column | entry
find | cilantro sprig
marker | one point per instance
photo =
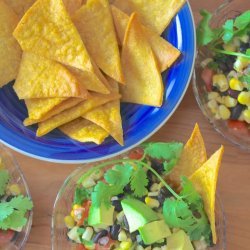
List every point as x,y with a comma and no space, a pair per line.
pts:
178,211
12,213
214,37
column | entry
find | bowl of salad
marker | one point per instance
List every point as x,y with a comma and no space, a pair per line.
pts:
145,199
222,76
15,203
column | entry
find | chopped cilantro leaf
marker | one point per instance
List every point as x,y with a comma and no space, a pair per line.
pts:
21,203
228,28
119,175
5,210
81,195
139,182
164,151
242,21
14,220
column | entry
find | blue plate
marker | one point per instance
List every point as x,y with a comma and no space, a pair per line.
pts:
139,122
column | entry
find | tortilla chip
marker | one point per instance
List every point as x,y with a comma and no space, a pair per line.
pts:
165,53
72,5
92,81
42,109
74,112
95,24
10,51
20,6
84,131
47,30
142,76
108,116
193,156
39,77
155,14
205,181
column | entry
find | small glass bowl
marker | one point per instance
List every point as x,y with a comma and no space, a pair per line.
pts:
16,177
229,10
63,206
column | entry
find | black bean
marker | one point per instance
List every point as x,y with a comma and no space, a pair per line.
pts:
215,89
233,93
127,189
236,111
125,222
133,236
99,235
9,198
163,194
244,47
157,165
114,232
117,205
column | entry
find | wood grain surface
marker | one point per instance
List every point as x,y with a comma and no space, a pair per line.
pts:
45,179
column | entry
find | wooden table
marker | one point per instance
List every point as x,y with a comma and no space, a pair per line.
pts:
45,179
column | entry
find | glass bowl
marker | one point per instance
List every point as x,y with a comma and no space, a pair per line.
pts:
63,205
229,10
17,177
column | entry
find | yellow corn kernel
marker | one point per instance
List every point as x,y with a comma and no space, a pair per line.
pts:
153,203
229,101
224,112
72,214
76,206
14,189
212,95
213,106
236,84
69,221
220,81
122,236
229,47
244,98
126,245
246,115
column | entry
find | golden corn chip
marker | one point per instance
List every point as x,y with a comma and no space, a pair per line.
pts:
20,6
193,156
92,81
143,81
205,181
72,5
42,109
155,14
39,77
10,51
75,112
47,30
108,116
95,24
84,131
165,53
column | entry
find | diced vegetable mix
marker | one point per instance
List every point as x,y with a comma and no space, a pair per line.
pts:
13,207
227,73
101,212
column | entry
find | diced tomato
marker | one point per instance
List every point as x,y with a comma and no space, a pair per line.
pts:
6,236
81,247
136,154
85,213
238,126
207,77
107,247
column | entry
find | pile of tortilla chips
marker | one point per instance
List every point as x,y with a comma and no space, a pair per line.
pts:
74,61
201,171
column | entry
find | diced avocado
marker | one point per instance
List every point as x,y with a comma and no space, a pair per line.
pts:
137,213
154,231
101,217
179,241
74,235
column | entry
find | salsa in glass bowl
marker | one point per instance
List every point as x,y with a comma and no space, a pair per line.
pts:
221,81
134,202
15,203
